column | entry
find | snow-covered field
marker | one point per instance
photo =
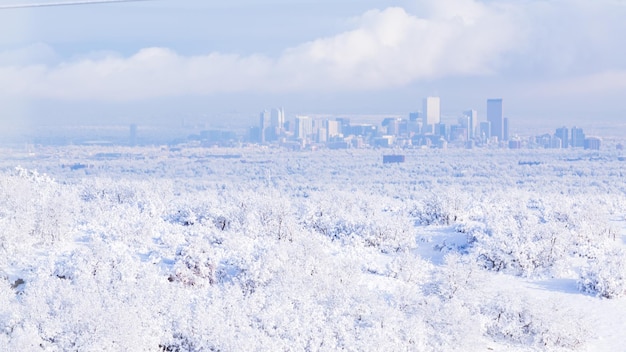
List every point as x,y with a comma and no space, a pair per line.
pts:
133,249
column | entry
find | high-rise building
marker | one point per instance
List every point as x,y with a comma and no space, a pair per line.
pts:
432,111
472,115
304,127
278,118
563,134
495,117
578,137
264,124
333,128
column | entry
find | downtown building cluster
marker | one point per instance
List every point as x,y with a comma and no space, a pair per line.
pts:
421,129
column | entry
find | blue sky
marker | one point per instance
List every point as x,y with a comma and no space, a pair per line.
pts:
548,59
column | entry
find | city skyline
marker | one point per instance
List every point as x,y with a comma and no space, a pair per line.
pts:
67,64
420,129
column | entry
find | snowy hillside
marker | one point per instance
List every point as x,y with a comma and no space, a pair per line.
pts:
265,250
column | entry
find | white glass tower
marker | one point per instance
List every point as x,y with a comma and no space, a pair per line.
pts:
432,111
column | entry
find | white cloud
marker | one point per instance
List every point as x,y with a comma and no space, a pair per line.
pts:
387,48
392,47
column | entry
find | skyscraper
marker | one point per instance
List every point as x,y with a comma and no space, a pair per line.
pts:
432,111
264,124
278,118
563,134
578,137
333,128
473,122
304,127
495,117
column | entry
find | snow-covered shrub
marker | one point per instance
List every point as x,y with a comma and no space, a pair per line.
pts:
524,241
458,275
93,298
451,325
436,209
533,324
346,217
605,275
34,209
409,267
271,215
184,217
194,265
181,343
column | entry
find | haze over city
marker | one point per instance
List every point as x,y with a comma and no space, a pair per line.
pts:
558,62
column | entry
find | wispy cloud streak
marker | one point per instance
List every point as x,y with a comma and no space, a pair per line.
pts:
64,3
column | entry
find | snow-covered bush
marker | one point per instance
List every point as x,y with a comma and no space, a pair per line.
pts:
346,217
544,325
537,239
605,275
443,208
458,275
193,266
34,209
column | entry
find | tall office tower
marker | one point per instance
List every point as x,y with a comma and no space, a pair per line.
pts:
264,124
413,116
494,116
304,127
473,122
333,128
278,118
563,134
432,111
505,129
316,124
578,137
